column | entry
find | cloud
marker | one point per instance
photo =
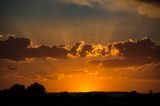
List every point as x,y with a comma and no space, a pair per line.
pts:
14,48
85,50
147,72
113,63
95,62
81,49
19,49
76,48
127,53
150,8
143,48
113,5
79,2
156,2
12,67
7,66
1,36
132,53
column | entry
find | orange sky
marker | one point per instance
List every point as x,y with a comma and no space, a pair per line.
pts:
81,45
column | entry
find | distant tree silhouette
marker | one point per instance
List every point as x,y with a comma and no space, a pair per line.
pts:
150,92
35,95
17,90
65,95
36,89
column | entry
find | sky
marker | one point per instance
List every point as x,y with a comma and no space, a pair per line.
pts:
81,45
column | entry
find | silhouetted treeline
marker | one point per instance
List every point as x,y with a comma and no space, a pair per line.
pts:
18,90
35,94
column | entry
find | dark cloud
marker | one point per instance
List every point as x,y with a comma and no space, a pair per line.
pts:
74,49
12,67
125,62
45,51
81,49
85,50
14,48
19,49
133,53
143,48
95,62
130,53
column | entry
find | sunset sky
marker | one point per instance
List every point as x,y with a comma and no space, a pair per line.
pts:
81,45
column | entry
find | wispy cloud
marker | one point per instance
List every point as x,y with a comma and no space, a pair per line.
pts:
149,8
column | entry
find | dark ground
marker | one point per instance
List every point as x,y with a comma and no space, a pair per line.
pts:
92,98
35,95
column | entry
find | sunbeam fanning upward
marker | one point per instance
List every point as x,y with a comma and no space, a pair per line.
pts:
80,45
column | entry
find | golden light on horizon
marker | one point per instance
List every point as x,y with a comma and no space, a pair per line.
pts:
76,83
80,45
84,83
85,86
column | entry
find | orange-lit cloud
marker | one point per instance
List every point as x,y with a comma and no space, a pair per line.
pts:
22,49
133,53
84,50
143,50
